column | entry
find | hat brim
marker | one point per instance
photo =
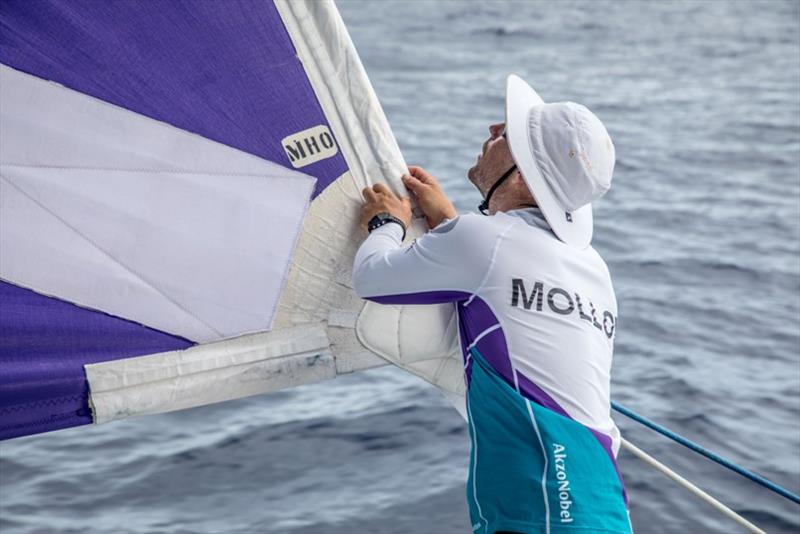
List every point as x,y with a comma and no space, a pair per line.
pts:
574,228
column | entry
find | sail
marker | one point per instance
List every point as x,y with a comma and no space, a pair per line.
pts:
179,193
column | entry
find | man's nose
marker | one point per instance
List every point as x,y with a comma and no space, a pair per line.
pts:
496,130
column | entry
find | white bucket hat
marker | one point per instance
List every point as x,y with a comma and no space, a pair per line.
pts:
565,156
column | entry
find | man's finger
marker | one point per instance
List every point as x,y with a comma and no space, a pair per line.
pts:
369,195
421,174
412,183
383,189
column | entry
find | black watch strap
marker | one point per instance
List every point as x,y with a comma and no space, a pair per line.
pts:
385,218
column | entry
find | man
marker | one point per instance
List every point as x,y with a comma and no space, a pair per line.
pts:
537,314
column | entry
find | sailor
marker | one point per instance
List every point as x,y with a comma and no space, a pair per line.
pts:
536,309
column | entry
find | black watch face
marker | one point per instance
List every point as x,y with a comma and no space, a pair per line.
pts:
382,218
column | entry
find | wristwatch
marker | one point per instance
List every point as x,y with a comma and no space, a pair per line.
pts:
385,217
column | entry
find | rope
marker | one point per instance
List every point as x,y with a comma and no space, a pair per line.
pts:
758,479
652,462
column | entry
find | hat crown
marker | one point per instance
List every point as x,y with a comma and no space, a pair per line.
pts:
573,150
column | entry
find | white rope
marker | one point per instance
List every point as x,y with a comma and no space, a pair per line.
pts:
639,453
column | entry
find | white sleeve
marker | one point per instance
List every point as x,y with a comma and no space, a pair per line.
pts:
446,264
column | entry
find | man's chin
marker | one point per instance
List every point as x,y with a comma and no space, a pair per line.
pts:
471,174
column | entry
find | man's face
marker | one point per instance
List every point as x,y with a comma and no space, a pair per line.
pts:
494,159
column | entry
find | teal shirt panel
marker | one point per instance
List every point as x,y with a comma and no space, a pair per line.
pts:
533,470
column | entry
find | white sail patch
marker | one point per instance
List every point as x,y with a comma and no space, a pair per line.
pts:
209,373
309,146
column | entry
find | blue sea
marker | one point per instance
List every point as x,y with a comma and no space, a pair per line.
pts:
701,230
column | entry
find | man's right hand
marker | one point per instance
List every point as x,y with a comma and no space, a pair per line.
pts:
430,196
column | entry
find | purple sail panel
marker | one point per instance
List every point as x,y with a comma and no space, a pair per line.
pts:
225,70
44,344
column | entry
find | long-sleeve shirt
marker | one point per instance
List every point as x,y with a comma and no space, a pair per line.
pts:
536,312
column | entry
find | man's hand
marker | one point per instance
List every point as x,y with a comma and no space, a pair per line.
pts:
430,196
378,199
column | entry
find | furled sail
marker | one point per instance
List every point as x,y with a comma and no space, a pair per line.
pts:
179,193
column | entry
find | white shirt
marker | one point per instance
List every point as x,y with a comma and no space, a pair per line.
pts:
542,313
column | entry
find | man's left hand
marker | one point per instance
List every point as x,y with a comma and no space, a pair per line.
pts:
379,199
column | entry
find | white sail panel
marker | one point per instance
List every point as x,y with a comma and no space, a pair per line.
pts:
200,233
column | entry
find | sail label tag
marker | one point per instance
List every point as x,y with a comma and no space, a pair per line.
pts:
309,146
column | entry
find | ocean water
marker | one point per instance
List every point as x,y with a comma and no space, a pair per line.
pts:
701,231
